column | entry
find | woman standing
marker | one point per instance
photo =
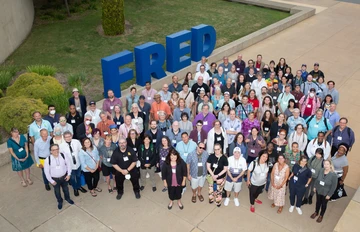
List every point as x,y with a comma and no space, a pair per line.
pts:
239,141
198,134
215,99
185,125
117,118
216,135
217,165
173,102
266,121
106,152
58,138
215,86
249,123
148,158
298,136
254,143
96,138
133,141
267,105
277,126
298,182
325,186
174,174
224,113
189,79
245,90
180,110
280,142
258,170
20,156
341,168
325,104
279,175
114,134
315,164
163,153
90,160
254,101
290,109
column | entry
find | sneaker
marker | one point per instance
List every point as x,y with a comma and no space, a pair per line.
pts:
137,195
47,187
331,200
142,188
164,189
71,202
118,197
291,209
154,189
299,210
60,205
258,201
236,201
226,202
252,209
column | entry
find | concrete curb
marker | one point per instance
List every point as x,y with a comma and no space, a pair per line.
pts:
298,14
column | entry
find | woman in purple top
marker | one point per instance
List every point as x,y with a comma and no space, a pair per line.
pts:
249,123
174,174
255,143
207,118
198,134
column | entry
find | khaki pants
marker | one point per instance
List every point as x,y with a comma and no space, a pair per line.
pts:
143,173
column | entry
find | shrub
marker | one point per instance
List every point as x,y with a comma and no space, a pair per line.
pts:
61,102
5,78
1,93
113,19
32,85
77,79
17,112
44,70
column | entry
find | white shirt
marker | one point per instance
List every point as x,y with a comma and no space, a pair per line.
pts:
95,116
259,175
76,147
239,164
313,145
257,85
205,76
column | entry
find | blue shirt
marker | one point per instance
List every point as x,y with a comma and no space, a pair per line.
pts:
316,126
192,160
333,117
89,159
173,89
174,138
130,101
186,149
178,112
34,129
52,120
292,122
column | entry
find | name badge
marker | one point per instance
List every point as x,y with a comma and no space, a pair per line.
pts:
258,69
163,158
147,158
313,170
285,102
339,138
262,174
205,123
154,140
266,129
296,178
296,101
249,131
126,158
164,132
106,133
173,170
149,98
215,165
218,138
237,69
233,81
322,183
200,165
316,125
55,123
135,149
72,121
118,123
278,149
308,106
144,113
108,160
136,121
111,107
232,129
274,97
21,149
226,69
77,108
186,154
277,177
292,162
236,170
165,101
57,167
252,151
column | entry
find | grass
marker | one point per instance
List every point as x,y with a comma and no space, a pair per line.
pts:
74,44
44,70
7,72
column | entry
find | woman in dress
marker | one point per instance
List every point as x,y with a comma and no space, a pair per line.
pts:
96,138
299,180
117,118
257,175
20,156
279,175
174,173
217,165
163,153
266,121
90,161
185,125
298,136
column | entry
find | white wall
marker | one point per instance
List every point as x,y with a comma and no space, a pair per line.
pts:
16,20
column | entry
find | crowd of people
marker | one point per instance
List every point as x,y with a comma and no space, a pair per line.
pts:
276,129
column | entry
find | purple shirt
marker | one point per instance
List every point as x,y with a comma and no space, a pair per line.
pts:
174,182
108,105
207,121
247,125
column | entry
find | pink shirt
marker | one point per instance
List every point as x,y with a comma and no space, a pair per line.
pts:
149,95
108,105
124,130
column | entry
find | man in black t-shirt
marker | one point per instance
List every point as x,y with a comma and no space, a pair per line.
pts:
124,161
196,88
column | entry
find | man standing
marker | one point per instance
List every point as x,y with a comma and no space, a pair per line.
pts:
332,115
207,118
175,86
283,100
126,127
149,93
196,167
158,106
202,63
110,102
226,65
104,124
57,170
188,96
317,123
79,101
342,134
228,100
297,80
145,108
244,108
295,120
165,94
37,125
124,161
332,91
155,134
196,88
259,64
239,64
41,152
84,129
52,117
316,73
297,95
94,113
73,118
258,84
309,84
202,73
232,126
230,88
174,133
71,149
186,146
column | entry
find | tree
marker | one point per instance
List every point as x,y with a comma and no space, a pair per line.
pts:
113,18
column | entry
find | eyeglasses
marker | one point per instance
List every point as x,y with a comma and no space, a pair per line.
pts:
198,125
217,149
54,149
62,120
88,120
201,147
282,134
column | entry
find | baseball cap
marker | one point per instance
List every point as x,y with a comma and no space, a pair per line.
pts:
75,90
237,149
226,93
303,65
92,103
113,126
275,81
316,64
142,97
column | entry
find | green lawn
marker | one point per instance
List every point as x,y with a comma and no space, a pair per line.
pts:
74,45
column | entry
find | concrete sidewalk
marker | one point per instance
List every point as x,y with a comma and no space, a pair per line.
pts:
331,38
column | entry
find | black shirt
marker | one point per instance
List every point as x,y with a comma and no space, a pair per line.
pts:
195,89
302,175
75,121
219,138
231,90
123,159
221,163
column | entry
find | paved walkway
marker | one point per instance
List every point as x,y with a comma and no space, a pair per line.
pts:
330,38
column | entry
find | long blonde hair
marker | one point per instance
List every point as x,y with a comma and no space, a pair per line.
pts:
332,169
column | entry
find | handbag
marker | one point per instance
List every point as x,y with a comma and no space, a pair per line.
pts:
339,192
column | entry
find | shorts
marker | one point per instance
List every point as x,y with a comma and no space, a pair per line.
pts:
107,170
197,182
230,185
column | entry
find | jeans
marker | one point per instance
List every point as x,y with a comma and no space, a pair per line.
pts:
46,182
61,182
75,178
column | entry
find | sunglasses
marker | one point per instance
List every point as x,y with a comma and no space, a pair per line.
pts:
202,148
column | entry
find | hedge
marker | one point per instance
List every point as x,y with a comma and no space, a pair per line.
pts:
113,19
17,112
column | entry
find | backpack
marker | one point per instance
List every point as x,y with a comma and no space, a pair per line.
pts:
62,155
311,117
347,129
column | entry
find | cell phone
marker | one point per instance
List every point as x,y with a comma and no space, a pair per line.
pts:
214,186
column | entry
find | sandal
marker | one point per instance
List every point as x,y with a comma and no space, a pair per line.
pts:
23,183
272,205
98,190
110,190
93,193
280,210
201,198
30,182
193,199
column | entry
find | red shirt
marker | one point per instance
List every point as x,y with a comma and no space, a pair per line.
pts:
254,102
308,107
257,65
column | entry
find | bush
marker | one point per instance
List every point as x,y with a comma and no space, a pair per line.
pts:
77,79
32,85
1,93
113,19
17,112
44,70
61,102
5,78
